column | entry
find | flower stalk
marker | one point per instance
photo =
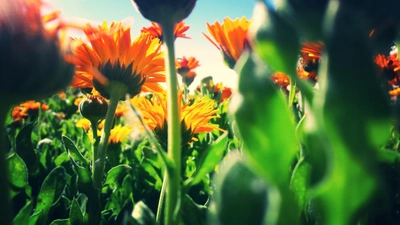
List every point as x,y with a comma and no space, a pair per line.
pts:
117,91
174,130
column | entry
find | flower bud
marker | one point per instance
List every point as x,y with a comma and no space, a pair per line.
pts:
93,108
32,64
161,10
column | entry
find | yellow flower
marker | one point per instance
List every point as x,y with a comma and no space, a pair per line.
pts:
119,133
112,58
83,123
230,38
195,116
33,64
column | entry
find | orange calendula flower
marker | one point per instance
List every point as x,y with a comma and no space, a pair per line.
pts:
309,62
26,109
186,69
32,54
195,116
281,79
230,38
121,110
112,60
155,30
390,67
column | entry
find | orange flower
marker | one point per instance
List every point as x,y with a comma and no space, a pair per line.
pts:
112,58
186,69
309,62
31,52
230,38
281,79
121,110
390,67
195,116
19,114
156,31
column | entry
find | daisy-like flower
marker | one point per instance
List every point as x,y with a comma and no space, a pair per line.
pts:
195,116
310,56
155,30
113,61
32,54
186,68
230,38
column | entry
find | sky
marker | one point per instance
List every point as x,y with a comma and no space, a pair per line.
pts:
205,11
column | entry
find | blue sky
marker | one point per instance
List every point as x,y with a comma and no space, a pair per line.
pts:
198,46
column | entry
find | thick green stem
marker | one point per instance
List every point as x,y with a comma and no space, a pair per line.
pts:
174,128
116,92
5,208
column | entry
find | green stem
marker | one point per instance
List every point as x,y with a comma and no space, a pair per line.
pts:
116,92
161,200
93,124
174,128
5,208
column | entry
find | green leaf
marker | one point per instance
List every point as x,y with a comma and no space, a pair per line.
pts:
116,173
299,182
24,146
23,215
264,121
61,222
143,215
74,152
192,213
210,159
84,180
51,191
75,214
61,159
276,40
241,196
18,173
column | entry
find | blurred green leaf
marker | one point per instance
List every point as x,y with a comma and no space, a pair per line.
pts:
241,196
24,147
299,182
143,215
116,173
61,222
264,121
74,152
23,215
275,39
50,193
18,173
192,213
75,214
209,159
